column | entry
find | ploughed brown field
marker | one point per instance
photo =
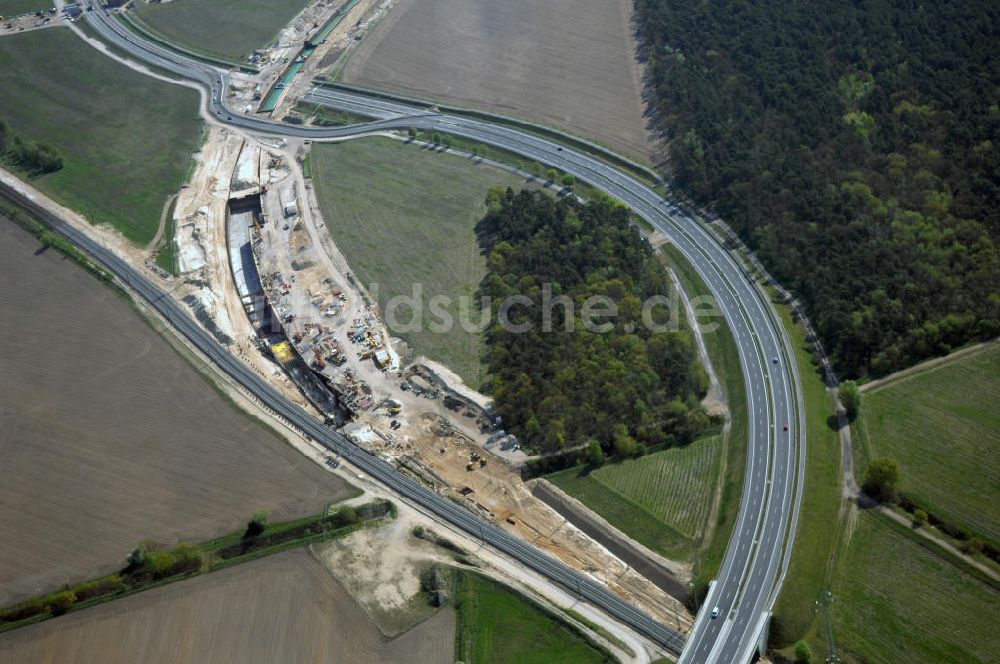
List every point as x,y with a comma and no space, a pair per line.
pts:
282,609
564,63
108,437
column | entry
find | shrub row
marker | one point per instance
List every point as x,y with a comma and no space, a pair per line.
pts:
970,542
146,566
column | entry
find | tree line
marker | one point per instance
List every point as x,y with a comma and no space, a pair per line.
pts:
610,392
855,147
28,157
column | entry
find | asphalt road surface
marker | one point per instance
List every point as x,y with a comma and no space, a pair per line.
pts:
757,556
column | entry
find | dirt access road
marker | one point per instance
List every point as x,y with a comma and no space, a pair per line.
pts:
570,64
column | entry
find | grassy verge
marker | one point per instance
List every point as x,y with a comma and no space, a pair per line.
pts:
898,601
126,139
725,359
942,426
597,629
443,142
496,624
148,568
227,29
324,116
541,174
816,539
405,217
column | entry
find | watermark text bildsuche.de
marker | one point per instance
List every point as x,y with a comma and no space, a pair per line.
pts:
518,314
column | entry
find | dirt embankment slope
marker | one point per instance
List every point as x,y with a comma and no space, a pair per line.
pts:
108,437
566,63
629,551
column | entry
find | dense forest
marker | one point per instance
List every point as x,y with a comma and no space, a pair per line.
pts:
855,146
613,391
28,157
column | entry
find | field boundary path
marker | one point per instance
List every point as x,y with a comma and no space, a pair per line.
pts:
155,242
928,365
946,547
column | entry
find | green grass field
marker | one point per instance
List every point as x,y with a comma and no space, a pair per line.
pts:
661,499
12,8
126,139
818,531
943,427
405,215
896,601
227,29
496,625
166,257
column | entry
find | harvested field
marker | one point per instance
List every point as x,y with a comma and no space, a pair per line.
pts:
569,64
285,608
404,216
661,500
943,427
127,140
228,29
897,601
108,437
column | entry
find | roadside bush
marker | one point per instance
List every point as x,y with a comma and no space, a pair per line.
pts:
699,590
880,479
919,518
159,563
435,582
32,607
850,398
803,653
109,585
59,603
973,545
188,556
345,516
256,525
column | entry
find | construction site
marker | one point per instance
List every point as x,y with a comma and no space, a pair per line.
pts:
281,290
261,271
315,41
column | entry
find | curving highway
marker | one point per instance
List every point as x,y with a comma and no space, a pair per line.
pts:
757,556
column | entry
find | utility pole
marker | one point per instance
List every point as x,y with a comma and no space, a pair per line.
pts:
831,646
